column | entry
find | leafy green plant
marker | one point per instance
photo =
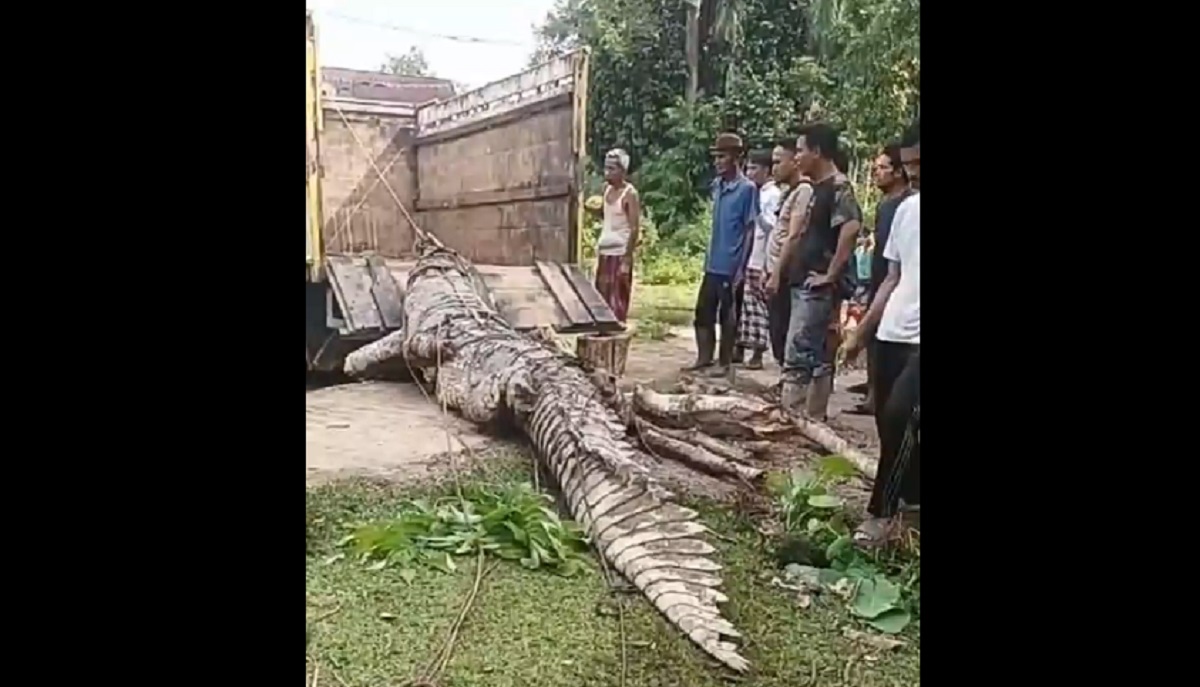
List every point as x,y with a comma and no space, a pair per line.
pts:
883,586
511,522
806,500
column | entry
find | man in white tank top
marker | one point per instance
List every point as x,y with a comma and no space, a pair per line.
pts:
619,236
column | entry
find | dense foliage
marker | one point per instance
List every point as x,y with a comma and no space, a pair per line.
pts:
763,67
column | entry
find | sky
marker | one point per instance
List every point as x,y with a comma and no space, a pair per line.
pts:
359,34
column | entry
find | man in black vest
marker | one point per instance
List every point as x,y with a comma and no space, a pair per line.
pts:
812,264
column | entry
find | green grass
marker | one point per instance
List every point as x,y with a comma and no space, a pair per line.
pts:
534,629
657,308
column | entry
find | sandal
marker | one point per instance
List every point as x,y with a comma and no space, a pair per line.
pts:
857,388
876,532
861,409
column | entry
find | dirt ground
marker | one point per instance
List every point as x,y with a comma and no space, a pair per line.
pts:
379,429
391,431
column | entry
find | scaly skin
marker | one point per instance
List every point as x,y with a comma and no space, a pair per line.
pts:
490,373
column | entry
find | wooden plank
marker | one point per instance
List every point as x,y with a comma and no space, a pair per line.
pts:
389,299
601,313
577,313
494,121
352,286
521,294
537,83
466,200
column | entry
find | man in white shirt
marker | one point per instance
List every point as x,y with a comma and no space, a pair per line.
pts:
896,311
754,321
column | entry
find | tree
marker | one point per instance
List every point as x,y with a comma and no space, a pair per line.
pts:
667,74
411,63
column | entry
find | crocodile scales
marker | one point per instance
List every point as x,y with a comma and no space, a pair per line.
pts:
492,374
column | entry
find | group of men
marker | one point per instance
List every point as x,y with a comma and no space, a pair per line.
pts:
779,265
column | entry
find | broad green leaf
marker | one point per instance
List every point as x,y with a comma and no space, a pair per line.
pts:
801,478
825,501
837,466
875,597
891,622
842,544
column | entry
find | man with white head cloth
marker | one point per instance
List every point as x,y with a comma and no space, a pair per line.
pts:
619,235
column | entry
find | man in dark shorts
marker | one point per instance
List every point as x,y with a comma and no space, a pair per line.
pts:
735,208
889,177
811,267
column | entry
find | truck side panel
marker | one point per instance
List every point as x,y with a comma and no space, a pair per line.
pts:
359,212
498,168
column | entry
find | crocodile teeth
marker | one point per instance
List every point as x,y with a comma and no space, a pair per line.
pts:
496,373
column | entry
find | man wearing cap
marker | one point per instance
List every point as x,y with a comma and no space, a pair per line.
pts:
619,235
735,208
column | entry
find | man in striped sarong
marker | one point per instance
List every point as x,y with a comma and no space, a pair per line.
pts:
619,235
754,326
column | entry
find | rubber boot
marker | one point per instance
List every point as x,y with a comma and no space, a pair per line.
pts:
724,366
706,343
817,405
792,396
739,355
756,361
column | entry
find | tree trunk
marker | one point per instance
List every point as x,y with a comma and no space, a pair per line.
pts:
743,417
715,446
694,455
718,416
692,47
604,351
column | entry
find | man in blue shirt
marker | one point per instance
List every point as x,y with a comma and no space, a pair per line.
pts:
735,209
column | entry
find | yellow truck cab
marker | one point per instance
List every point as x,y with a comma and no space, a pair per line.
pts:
494,173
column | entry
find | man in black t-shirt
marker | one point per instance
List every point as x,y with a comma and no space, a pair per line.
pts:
889,177
811,267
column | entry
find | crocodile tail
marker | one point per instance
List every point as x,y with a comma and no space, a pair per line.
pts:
489,371
654,543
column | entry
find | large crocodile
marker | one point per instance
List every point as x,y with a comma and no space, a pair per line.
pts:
492,374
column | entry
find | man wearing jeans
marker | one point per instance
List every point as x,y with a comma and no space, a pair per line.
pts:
811,266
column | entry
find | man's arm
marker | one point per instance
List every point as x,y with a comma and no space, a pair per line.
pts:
847,215
749,220
796,224
866,327
847,236
891,252
770,213
633,210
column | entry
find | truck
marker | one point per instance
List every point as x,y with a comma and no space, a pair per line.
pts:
494,173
